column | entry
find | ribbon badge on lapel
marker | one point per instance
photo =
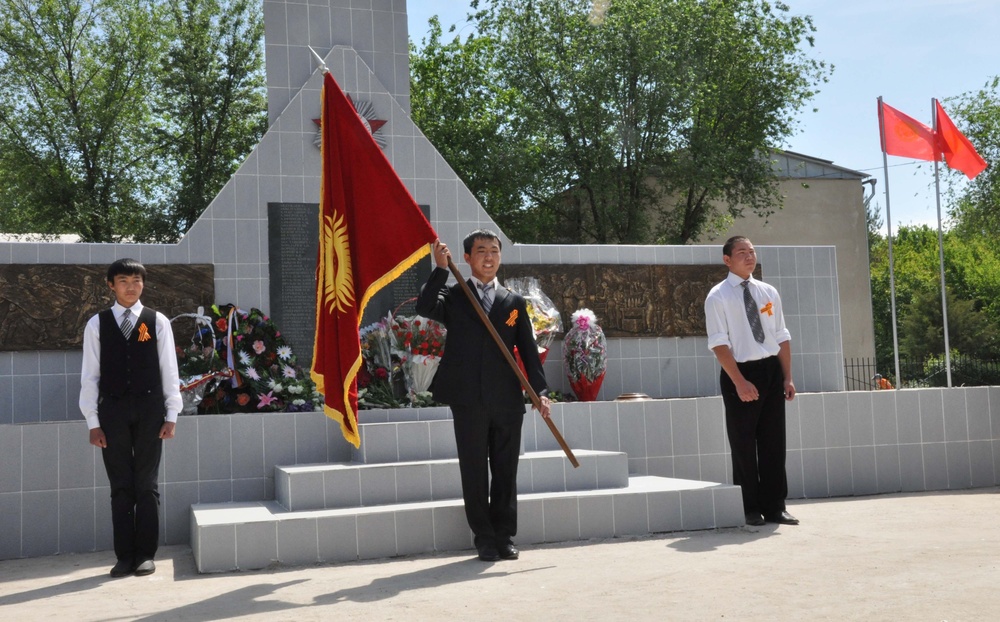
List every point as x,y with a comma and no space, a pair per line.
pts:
512,319
768,309
143,332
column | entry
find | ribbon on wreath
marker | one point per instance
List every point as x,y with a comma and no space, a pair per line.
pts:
233,326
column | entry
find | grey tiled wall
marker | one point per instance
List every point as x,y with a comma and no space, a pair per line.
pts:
54,493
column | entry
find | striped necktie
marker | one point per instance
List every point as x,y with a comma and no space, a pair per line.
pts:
486,296
126,324
753,316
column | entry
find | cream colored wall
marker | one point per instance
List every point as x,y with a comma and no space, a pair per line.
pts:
824,212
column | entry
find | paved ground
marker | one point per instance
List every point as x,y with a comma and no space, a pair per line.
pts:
933,556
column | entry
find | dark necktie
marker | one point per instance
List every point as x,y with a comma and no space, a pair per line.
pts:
126,324
485,297
752,314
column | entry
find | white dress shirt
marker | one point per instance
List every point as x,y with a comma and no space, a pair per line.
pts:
90,374
726,319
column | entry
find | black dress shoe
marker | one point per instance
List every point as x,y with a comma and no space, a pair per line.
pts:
123,568
782,518
488,553
145,568
754,519
509,551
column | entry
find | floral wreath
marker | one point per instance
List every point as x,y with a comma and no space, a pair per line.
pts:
267,375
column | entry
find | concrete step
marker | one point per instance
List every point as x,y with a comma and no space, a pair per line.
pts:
247,536
405,441
342,485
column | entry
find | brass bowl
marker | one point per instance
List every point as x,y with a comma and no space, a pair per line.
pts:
632,397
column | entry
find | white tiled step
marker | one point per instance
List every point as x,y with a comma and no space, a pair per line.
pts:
341,485
405,441
246,536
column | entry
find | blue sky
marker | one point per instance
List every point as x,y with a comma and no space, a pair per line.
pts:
907,51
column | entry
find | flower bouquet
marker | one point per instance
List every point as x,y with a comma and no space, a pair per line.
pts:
419,343
375,378
585,353
546,322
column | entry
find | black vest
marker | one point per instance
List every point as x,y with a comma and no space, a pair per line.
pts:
129,367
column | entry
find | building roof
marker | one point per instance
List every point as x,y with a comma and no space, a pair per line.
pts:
793,165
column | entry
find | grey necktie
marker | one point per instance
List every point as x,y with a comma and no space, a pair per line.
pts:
752,314
126,324
486,296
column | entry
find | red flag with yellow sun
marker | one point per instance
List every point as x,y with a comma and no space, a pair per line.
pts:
370,231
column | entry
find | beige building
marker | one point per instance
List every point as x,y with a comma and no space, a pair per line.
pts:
823,206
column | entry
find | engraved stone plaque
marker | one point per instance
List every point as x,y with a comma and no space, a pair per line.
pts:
630,300
45,306
293,243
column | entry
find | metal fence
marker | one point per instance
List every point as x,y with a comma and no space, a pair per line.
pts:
865,374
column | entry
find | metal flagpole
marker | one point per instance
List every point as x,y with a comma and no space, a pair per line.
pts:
944,297
888,222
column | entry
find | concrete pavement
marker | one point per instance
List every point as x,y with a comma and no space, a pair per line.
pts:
927,556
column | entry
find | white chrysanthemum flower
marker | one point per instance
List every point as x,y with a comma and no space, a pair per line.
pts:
298,402
251,373
284,353
244,359
295,389
278,388
288,371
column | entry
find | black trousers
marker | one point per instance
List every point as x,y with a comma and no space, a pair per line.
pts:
756,433
489,445
132,425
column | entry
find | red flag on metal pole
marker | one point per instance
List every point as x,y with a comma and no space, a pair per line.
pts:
370,231
958,150
905,136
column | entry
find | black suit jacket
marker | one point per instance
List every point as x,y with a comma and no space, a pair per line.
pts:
473,370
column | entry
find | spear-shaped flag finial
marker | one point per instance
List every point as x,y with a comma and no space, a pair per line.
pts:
319,60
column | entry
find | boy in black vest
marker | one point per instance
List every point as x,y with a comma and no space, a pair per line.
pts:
130,396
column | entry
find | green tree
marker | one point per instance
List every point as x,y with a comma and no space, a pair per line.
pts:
648,121
976,208
212,102
972,275
75,152
457,101
878,256
969,332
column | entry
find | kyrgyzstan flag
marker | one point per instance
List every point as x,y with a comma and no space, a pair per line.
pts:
905,136
958,150
370,231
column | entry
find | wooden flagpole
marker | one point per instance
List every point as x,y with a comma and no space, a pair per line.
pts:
535,400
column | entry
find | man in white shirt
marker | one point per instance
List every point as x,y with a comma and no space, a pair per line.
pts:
746,331
130,397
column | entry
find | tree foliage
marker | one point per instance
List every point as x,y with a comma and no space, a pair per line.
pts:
121,119
972,278
74,113
641,121
212,101
457,100
976,209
